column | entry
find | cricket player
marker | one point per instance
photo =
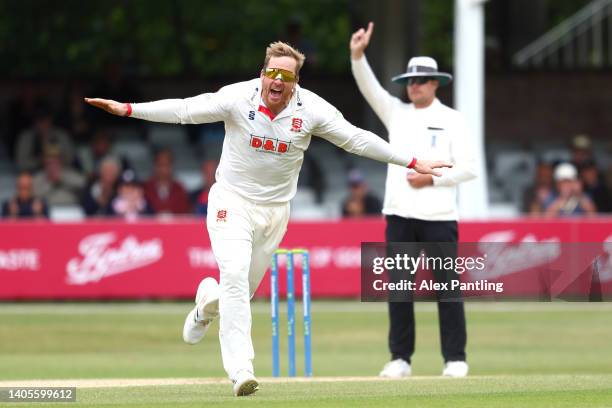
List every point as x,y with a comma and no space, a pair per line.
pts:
269,122
419,207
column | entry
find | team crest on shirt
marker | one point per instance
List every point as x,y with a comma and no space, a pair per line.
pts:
269,144
222,216
296,124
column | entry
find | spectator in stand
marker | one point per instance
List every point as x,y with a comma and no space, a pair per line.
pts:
165,194
56,183
25,204
32,143
360,201
538,195
130,202
100,148
582,150
199,198
570,199
594,182
595,186
99,194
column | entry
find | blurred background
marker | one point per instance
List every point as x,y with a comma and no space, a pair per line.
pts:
547,97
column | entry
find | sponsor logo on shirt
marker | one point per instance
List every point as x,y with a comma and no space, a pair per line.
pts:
269,145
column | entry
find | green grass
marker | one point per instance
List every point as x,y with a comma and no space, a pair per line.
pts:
513,391
547,354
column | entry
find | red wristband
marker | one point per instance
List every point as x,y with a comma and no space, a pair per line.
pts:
412,163
129,109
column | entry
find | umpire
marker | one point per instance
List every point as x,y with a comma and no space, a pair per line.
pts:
420,208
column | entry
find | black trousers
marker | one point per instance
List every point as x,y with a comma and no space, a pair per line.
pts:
453,336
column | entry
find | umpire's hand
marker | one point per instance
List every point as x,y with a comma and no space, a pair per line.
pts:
360,40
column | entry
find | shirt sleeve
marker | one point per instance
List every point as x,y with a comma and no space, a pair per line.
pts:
334,128
462,157
378,98
204,108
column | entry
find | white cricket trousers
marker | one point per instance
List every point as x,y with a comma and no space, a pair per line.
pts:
244,236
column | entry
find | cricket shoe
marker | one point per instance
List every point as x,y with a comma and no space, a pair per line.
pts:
206,309
456,369
245,384
396,369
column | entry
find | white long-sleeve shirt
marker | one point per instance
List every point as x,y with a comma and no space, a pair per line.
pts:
261,158
433,133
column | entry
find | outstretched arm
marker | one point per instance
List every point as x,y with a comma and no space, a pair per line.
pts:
340,132
205,108
378,98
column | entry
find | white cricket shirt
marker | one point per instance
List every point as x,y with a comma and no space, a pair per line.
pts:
433,133
261,158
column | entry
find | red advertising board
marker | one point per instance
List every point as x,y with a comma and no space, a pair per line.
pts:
167,259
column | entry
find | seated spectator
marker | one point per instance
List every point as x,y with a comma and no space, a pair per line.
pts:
541,192
130,202
25,204
199,198
569,200
100,192
582,150
100,147
56,183
32,143
166,195
595,186
360,201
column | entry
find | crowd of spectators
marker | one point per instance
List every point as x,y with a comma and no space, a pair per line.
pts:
572,188
64,157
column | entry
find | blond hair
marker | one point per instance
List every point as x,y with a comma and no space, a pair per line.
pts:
281,49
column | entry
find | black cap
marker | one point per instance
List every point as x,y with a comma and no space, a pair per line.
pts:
129,177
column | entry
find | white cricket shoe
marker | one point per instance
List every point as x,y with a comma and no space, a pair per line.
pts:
455,369
245,383
206,309
396,369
